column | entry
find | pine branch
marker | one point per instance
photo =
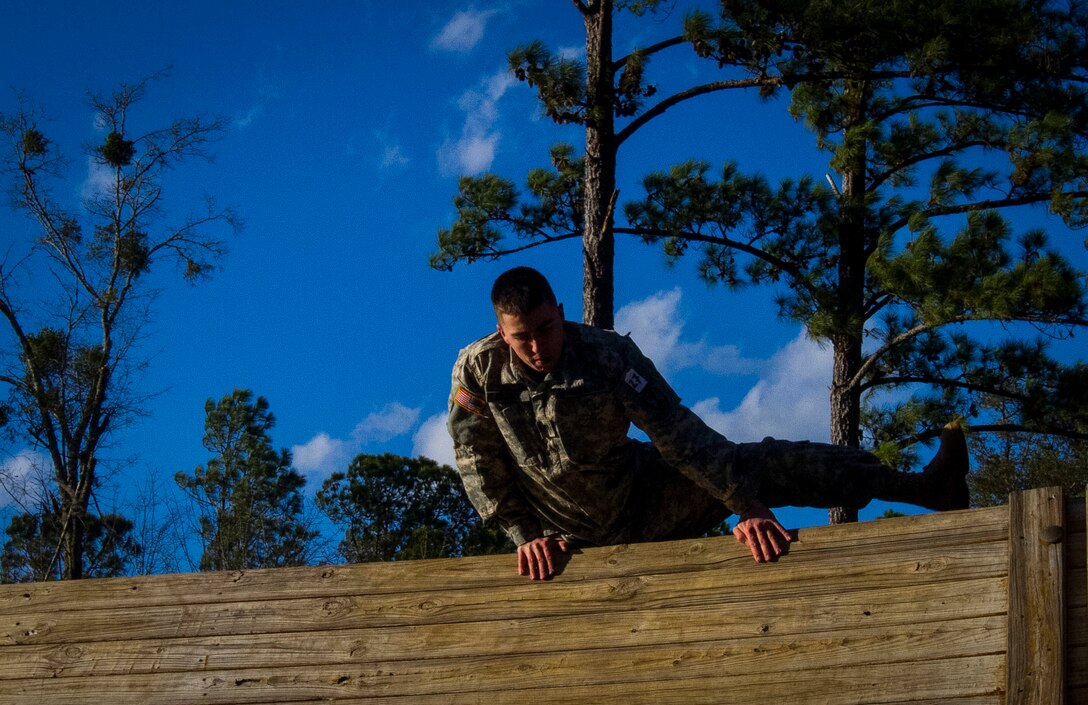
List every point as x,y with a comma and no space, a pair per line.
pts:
694,92
618,64
994,204
791,270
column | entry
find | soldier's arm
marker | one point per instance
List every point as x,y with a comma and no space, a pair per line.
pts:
484,462
683,439
704,455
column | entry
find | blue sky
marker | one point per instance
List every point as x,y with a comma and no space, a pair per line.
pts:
349,124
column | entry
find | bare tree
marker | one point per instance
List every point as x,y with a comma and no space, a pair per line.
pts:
71,362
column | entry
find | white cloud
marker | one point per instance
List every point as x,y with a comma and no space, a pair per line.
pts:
469,155
474,151
393,156
576,52
463,32
99,181
22,476
789,402
790,399
323,454
655,324
393,420
246,119
433,441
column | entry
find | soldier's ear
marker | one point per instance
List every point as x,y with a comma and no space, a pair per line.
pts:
561,316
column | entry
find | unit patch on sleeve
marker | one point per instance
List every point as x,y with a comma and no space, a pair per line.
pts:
635,381
470,402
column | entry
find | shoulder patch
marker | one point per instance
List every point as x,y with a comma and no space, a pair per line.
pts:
634,380
470,402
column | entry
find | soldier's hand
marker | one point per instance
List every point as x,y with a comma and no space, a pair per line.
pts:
539,558
760,531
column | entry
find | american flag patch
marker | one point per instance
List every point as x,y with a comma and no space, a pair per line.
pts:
470,402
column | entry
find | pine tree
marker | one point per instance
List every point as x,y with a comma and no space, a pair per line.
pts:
396,508
575,198
934,134
248,497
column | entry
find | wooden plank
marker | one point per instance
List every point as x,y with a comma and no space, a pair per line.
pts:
889,609
1076,626
1036,653
934,679
1076,659
773,658
904,610
992,699
820,572
975,526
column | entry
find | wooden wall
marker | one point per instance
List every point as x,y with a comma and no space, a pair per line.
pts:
921,610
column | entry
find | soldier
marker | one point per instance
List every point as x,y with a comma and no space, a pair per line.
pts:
540,412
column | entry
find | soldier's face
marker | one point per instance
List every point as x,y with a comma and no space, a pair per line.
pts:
536,337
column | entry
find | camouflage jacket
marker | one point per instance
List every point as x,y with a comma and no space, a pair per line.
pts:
554,456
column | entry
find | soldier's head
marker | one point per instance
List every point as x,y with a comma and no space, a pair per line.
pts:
529,319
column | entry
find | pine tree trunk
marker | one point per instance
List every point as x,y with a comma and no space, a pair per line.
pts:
845,409
850,302
598,244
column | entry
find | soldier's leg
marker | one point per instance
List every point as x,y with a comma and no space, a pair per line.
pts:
806,474
669,506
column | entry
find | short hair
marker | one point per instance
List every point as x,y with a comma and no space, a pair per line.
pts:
520,290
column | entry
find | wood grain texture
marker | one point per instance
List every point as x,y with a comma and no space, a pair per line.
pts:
908,610
1036,653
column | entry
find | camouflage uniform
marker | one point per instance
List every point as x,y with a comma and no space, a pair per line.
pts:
552,456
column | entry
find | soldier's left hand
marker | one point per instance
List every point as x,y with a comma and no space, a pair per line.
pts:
760,531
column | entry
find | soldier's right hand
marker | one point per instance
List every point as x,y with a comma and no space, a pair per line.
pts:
539,558
759,530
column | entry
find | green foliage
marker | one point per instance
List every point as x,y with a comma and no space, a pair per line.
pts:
248,497
938,119
685,209
482,202
553,206
1008,464
58,376
488,204
560,82
116,151
30,551
397,508
933,132
34,143
980,274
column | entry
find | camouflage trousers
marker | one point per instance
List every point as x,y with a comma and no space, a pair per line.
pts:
668,505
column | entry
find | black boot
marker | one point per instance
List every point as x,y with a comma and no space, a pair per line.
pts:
942,485
944,480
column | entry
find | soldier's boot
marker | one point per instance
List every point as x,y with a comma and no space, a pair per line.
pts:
942,485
